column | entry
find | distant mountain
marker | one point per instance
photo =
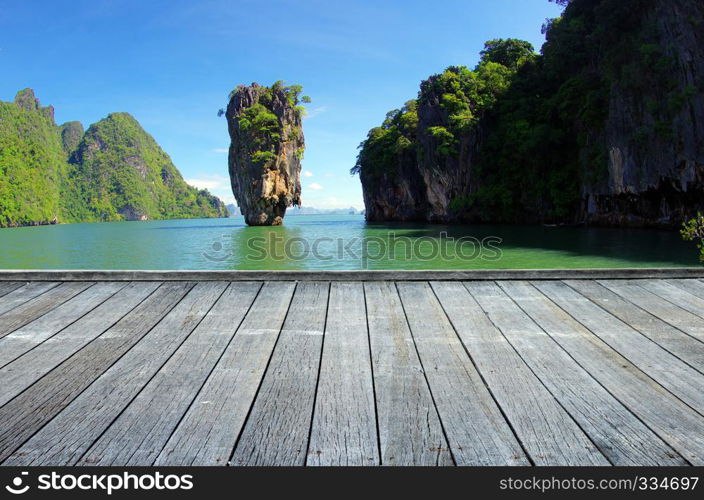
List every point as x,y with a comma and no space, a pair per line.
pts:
114,171
293,211
234,210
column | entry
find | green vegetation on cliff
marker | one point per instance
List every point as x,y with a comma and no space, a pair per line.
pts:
461,97
693,230
546,137
604,125
32,162
119,172
260,124
267,145
115,171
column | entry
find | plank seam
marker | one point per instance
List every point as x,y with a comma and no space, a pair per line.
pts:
678,283
371,364
652,314
593,377
68,325
317,379
633,327
557,400
124,408
481,376
55,306
261,380
616,350
11,289
425,377
673,303
79,350
210,372
89,385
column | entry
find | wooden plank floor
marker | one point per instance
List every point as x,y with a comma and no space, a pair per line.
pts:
508,372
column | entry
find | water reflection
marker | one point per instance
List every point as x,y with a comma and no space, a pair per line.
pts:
334,242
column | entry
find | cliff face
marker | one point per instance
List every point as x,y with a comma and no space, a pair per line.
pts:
398,196
121,173
606,126
445,161
266,149
654,132
32,163
393,187
114,171
71,134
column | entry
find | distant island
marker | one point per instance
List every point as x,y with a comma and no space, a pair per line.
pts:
234,211
114,171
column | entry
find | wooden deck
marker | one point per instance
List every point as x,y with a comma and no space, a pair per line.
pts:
334,372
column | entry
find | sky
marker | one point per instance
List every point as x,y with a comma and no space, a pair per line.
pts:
172,64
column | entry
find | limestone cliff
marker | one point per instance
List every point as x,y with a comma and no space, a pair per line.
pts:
121,173
114,171
71,134
605,126
267,144
654,130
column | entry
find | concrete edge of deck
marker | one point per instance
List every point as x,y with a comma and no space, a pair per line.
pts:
377,275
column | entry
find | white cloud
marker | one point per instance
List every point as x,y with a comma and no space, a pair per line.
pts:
311,113
330,202
315,186
219,150
307,173
203,183
218,185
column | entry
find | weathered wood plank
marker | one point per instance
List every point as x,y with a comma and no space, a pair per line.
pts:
71,436
40,305
614,431
674,340
695,287
657,306
278,427
669,371
142,373
8,286
410,432
546,430
344,420
32,334
666,415
477,432
209,430
675,295
24,415
142,430
373,275
34,364
24,294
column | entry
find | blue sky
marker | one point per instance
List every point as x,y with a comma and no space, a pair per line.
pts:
172,64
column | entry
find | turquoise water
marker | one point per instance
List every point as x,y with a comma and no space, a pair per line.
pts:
334,242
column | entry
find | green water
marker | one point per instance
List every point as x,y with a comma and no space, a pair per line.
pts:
334,242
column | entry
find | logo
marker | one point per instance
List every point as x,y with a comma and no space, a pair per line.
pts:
16,488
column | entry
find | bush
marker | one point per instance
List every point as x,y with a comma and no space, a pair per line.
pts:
694,231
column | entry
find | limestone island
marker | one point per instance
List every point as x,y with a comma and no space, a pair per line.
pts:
266,133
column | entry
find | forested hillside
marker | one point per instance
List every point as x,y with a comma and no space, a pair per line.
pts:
114,171
605,125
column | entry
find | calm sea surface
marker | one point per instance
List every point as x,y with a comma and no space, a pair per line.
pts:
334,242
